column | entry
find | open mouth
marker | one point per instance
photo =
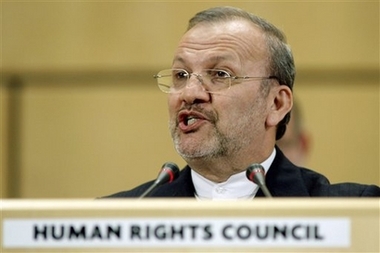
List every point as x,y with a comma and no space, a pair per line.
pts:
190,121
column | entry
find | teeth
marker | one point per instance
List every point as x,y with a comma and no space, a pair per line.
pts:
191,121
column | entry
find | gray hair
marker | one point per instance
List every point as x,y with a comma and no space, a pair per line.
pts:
281,58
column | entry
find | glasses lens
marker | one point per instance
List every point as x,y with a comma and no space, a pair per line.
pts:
164,80
171,80
217,79
179,78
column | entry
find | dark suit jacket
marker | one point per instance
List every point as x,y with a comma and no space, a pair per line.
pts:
283,179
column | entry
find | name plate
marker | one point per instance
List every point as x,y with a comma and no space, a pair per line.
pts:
176,232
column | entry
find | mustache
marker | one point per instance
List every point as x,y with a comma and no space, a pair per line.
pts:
210,115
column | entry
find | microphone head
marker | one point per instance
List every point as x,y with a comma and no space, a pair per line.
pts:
256,173
168,173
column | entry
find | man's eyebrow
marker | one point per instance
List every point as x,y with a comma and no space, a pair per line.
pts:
178,59
218,58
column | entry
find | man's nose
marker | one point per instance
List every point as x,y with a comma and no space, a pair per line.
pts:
195,90
194,79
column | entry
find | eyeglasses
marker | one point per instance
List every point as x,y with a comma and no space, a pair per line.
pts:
174,80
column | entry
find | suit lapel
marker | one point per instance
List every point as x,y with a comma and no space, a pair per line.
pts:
182,187
284,179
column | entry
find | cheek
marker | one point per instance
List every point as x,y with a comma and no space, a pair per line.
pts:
252,108
232,111
173,104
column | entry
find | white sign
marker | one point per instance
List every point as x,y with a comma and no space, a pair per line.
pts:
176,232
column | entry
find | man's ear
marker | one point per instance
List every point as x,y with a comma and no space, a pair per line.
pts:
281,99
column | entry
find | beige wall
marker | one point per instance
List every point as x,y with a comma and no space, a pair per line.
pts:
88,119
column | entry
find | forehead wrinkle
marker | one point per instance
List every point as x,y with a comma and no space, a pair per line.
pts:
251,45
238,42
215,58
211,52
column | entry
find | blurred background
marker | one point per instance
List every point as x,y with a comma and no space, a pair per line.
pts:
82,117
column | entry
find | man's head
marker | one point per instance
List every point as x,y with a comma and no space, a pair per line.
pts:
281,58
233,115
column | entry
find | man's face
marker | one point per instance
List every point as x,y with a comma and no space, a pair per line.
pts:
208,125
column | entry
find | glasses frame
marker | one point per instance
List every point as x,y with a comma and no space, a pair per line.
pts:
200,78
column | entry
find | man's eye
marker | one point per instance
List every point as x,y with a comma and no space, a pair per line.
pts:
221,74
180,75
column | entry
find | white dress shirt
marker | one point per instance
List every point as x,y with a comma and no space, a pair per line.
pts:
236,187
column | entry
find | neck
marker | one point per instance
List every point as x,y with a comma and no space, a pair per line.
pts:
221,168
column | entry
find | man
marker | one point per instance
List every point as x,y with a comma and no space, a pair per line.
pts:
229,97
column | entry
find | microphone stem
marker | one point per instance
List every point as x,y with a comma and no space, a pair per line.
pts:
266,191
147,191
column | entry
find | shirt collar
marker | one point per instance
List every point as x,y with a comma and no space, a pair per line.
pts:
236,187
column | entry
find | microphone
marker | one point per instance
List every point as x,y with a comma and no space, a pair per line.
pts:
168,173
256,173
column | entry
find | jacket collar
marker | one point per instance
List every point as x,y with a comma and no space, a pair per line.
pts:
283,179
